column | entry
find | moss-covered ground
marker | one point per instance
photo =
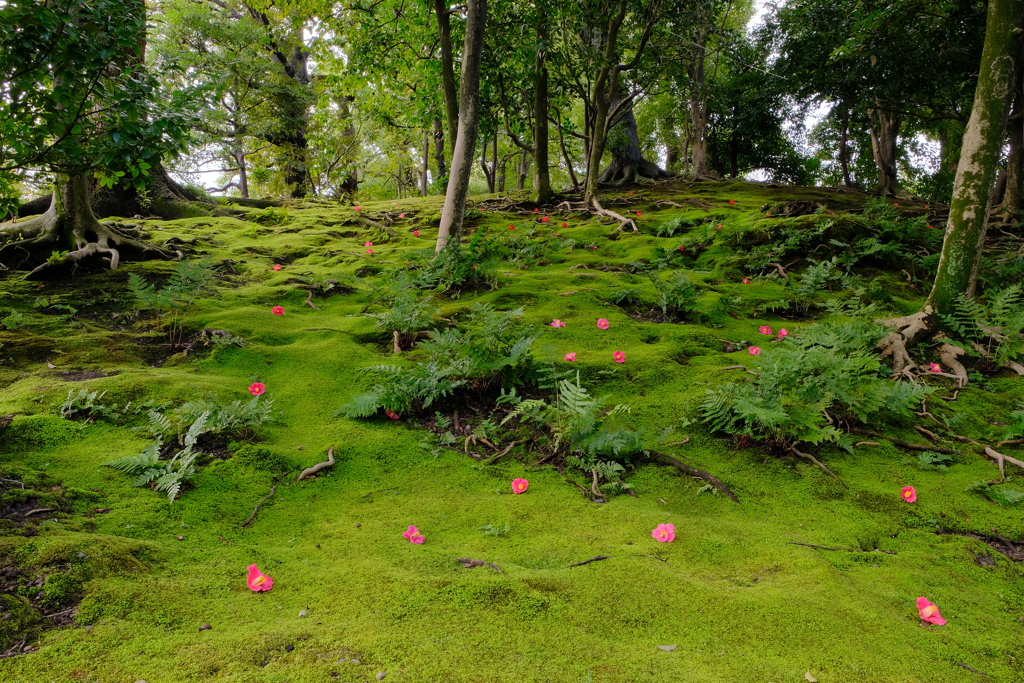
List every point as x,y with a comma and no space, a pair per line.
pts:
734,593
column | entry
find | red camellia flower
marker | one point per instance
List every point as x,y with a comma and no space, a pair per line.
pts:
277,266
544,219
639,213
732,201
511,227
565,225
718,227
401,215
415,233
519,485
896,204
258,581
277,310
619,356
536,210
390,413
358,208
257,388
682,247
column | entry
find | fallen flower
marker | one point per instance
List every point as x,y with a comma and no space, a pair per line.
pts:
414,535
934,367
631,191
277,310
557,323
415,233
602,323
358,208
639,213
257,388
718,227
765,329
896,204
390,413
909,494
571,357
732,201
783,333
258,581
367,244
565,225
369,251
536,210
544,219
664,533
745,281
682,247
401,215
511,227
277,266
929,612
519,485
754,350
619,356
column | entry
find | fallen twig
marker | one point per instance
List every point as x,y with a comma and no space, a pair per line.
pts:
256,509
13,481
808,456
904,444
310,471
504,452
595,558
32,512
930,434
972,669
811,545
694,472
469,564
59,614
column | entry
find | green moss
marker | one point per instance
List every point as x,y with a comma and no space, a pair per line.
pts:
32,432
17,619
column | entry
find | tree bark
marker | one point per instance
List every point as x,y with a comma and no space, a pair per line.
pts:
698,137
628,164
439,157
885,127
1013,195
844,149
968,212
523,170
605,86
469,121
425,173
451,94
542,176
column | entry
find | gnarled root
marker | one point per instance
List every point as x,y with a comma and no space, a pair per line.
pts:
908,330
623,221
694,472
795,451
949,354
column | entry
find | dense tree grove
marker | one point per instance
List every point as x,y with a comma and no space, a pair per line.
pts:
310,98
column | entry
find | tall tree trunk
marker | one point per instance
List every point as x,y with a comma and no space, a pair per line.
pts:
243,173
698,109
469,121
426,163
1013,196
439,157
605,87
628,164
844,149
542,176
885,128
451,93
968,212
523,171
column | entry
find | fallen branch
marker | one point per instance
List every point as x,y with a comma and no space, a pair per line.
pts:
256,509
469,564
32,512
811,545
595,558
904,444
927,432
972,669
310,471
504,452
13,481
694,472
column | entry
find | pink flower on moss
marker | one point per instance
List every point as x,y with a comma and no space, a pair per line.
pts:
277,266
390,413
257,388
934,367
908,494
639,213
277,310
258,581
415,233
664,533
896,204
732,201
536,210
631,191
754,350
358,208
765,329
367,244
783,333
519,485
602,323
369,251
929,612
401,215
719,226
565,225
571,357
619,356
414,535
557,323
544,219
745,281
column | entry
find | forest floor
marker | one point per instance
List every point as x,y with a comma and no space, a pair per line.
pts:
807,578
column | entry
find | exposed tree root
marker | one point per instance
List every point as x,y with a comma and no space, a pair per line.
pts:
795,451
310,471
908,330
694,472
256,509
949,354
469,564
1002,460
623,221
904,444
380,226
595,558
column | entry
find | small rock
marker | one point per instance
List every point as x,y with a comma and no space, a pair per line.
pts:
302,613
341,660
301,448
353,661
667,648
381,675
6,616
205,627
358,525
318,546
289,648
181,538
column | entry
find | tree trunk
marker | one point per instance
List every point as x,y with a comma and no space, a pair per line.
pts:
844,149
698,111
243,174
439,158
1013,196
968,212
451,94
628,164
605,86
524,170
885,128
469,121
70,229
542,176
426,164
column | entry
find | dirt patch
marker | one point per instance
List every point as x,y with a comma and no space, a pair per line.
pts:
1002,545
83,375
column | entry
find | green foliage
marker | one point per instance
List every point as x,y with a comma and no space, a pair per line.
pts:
455,269
1003,497
13,320
670,227
1015,430
828,368
495,530
271,216
677,296
493,351
931,461
86,405
179,293
993,326
408,313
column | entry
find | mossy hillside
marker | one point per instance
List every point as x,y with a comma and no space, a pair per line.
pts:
738,601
